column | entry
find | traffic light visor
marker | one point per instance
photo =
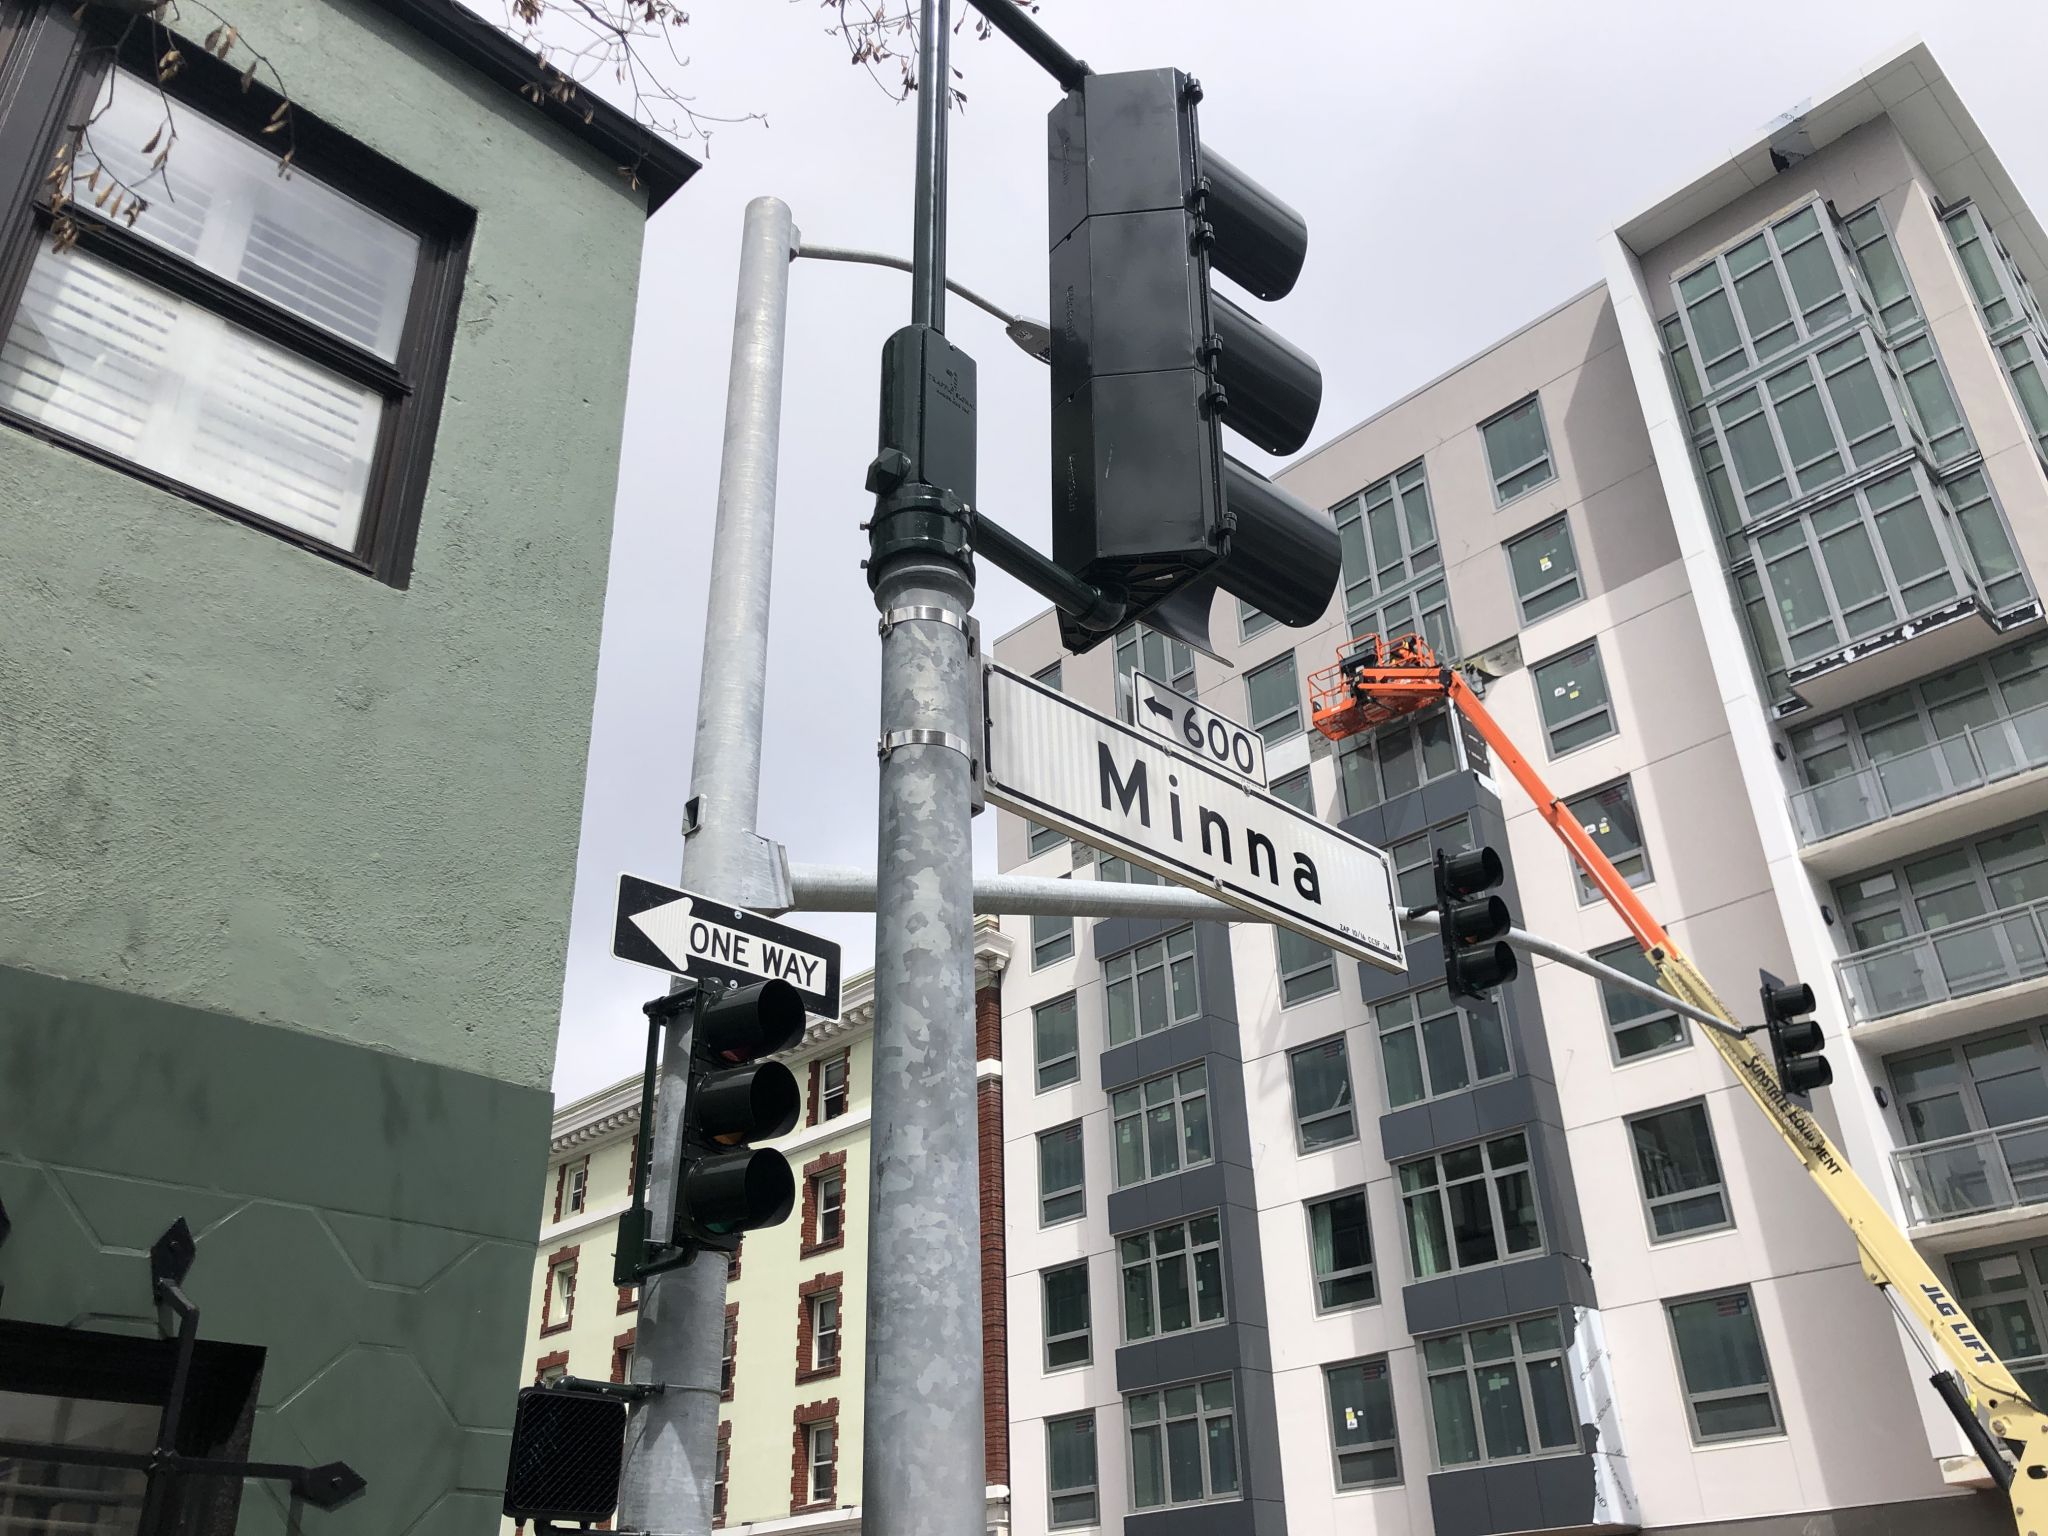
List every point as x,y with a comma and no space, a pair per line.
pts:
1789,1000
750,1103
1486,966
1467,874
751,1021
734,1192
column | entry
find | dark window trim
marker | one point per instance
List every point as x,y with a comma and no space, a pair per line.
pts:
53,66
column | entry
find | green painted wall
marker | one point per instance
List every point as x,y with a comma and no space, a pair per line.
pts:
237,776
368,1220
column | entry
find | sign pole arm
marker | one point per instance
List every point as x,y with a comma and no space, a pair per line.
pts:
672,1444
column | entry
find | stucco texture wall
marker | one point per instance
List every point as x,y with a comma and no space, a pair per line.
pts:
236,776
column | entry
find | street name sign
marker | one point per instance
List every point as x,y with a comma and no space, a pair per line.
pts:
1198,825
690,935
1215,739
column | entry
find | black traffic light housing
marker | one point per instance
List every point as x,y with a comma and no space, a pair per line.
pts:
1472,923
1148,366
568,1449
1796,1040
724,1186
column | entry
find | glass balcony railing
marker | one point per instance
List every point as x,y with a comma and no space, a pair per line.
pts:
1986,952
1995,1170
1982,754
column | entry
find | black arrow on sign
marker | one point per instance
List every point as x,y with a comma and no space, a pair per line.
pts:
1158,708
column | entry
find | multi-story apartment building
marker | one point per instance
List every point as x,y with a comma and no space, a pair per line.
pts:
1746,544
789,1434
302,571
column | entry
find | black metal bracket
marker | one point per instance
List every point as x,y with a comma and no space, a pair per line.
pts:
625,1391
170,1258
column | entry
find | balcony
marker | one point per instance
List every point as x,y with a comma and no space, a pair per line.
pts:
1978,1174
1937,793
1978,974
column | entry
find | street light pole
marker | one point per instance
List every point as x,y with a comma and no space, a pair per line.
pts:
672,1444
923,1451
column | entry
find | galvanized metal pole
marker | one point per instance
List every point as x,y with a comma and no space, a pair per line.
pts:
672,1444
922,1467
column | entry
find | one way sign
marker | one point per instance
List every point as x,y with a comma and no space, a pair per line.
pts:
690,935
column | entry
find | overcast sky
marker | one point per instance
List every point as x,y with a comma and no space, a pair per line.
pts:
1455,162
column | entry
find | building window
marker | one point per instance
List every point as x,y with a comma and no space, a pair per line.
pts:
1061,1196
1151,987
1340,1252
1307,969
1296,790
1423,609
1571,693
1415,860
1056,1037
1387,535
548,1375
821,1457
1500,1393
1039,839
1472,1206
1052,939
1183,1445
2002,1292
1545,568
831,1208
2003,295
1251,622
824,1320
1067,1328
1123,872
1679,1173
1934,403
729,1359
1323,1110
1728,1393
1272,696
1810,424
1609,816
1637,1026
1362,1439
271,348
1070,1470
824,1204
578,1193
1139,649
558,1305
1173,1278
1878,260
722,1474
1161,1126
1397,759
1431,1046
1792,257
832,1086
1517,450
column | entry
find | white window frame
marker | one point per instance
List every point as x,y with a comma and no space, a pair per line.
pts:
1138,1108
821,1459
820,1333
831,1207
1192,1245
576,1197
834,1098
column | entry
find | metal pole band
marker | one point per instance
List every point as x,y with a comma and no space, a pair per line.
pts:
897,616
922,738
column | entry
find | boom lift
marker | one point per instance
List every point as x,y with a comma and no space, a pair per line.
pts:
1375,681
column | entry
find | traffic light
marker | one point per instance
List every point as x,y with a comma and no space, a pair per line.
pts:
1472,923
568,1448
1796,1041
726,1187
1148,365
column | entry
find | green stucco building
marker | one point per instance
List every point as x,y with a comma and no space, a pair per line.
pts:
305,504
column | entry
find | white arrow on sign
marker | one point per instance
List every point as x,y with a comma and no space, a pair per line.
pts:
683,936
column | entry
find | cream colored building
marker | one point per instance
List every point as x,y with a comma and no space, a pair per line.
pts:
796,1300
